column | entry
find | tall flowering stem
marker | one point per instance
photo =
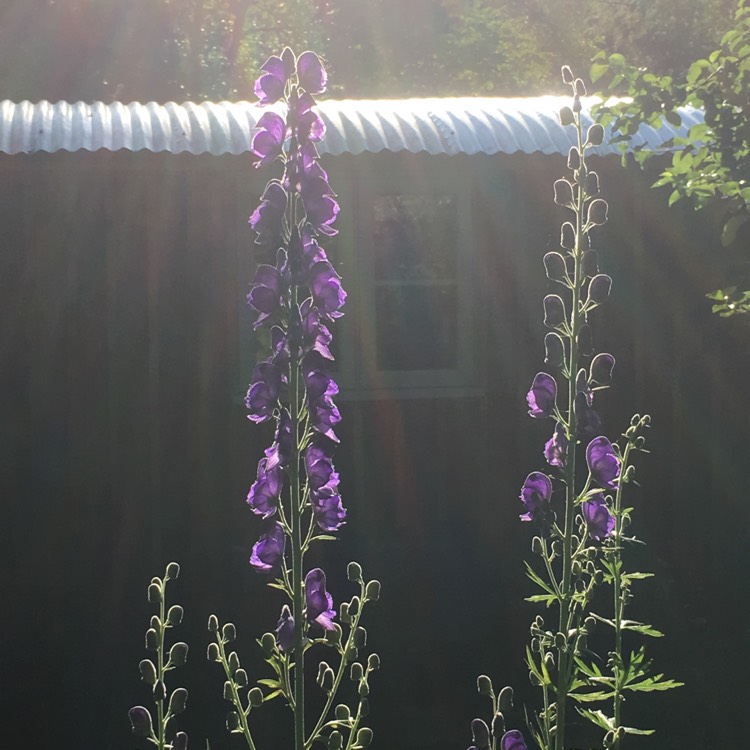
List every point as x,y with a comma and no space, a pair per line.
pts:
295,297
579,538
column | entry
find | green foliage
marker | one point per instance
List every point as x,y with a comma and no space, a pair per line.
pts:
709,167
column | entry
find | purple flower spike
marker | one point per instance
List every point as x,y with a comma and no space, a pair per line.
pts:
599,520
265,293
535,495
542,396
264,495
268,551
603,463
263,394
269,88
513,740
556,448
319,602
268,142
601,368
328,294
311,73
285,631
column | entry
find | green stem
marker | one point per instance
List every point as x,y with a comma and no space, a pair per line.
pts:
563,679
160,667
619,604
236,700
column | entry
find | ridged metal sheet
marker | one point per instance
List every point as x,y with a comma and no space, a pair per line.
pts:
437,126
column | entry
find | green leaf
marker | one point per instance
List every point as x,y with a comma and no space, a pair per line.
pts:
653,684
272,695
547,599
597,71
729,232
270,683
633,730
598,717
534,576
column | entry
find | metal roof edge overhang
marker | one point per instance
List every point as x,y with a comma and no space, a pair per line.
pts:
469,125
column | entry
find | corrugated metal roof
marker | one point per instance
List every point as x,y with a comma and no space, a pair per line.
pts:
437,126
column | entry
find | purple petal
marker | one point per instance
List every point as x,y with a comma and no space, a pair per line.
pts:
311,73
556,448
268,551
535,495
285,631
319,603
513,740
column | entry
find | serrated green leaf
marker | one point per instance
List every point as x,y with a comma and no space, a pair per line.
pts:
534,576
591,697
653,684
597,717
547,599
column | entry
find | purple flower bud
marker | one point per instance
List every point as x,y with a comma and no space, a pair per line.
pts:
567,236
268,551
263,497
590,263
599,520
535,495
140,722
325,285
563,192
269,88
599,288
603,463
566,117
319,603
582,386
285,631
287,57
554,350
554,311
180,741
542,396
263,395
580,88
577,106
574,159
268,142
597,212
556,448
267,218
567,74
265,293
591,185
480,733
554,265
513,740
585,340
601,368
595,135
588,422
311,73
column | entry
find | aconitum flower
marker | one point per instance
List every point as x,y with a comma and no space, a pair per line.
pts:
319,466
556,448
536,494
268,551
603,463
264,494
319,203
311,74
554,311
265,293
328,510
542,396
513,740
268,142
319,603
315,335
600,370
324,415
588,422
599,288
263,394
267,219
281,449
285,631
269,87
599,520
554,350
325,285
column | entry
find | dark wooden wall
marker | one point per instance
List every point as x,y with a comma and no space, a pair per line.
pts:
124,444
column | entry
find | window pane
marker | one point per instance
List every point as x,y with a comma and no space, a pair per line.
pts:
414,237
416,327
